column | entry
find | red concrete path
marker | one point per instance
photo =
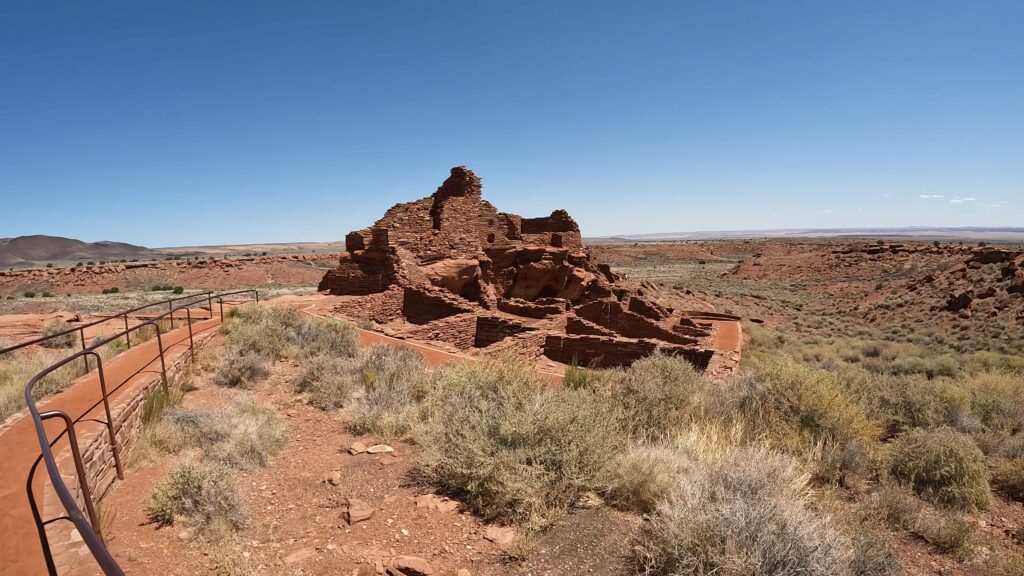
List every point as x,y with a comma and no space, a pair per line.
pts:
20,550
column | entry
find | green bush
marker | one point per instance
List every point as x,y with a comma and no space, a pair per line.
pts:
29,294
942,466
206,497
512,447
56,326
178,290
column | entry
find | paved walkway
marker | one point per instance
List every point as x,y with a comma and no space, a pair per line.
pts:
20,551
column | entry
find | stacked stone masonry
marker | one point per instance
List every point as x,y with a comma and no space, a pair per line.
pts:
427,266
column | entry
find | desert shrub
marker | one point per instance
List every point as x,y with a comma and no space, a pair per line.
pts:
798,408
178,290
903,402
657,394
1012,448
986,360
247,435
644,475
243,435
872,553
997,400
262,330
394,385
931,367
317,337
1001,563
204,496
241,369
330,381
512,447
56,326
946,531
29,294
871,350
9,355
942,466
1008,477
743,511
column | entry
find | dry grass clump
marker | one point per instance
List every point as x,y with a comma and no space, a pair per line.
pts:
5,343
16,373
798,408
742,510
394,386
657,395
265,331
258,335
56,326
942,466
997,401
645,474
326,337
205,497
329,381
947,531
244,435
1008,477
512,447
241,369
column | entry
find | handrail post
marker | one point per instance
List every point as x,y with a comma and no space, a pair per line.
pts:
170,309
160,345
83,481
191,343
114,446
44,540
127,333
85,358
221,300
257,293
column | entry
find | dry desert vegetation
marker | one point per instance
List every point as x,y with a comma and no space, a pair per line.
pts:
491,395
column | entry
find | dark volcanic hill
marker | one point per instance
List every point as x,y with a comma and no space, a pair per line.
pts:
41,249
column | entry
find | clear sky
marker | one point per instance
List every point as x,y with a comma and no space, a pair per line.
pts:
199,122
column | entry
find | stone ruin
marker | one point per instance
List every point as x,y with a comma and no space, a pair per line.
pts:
451,269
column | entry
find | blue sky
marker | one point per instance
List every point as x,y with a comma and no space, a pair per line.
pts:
194,122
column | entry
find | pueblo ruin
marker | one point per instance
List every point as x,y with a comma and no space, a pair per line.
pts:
450,268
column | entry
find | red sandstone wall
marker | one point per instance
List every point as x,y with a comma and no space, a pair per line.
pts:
491,329
605,352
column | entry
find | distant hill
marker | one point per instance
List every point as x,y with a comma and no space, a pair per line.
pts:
39,249
964,234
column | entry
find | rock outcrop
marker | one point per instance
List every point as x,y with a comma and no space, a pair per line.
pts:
453,256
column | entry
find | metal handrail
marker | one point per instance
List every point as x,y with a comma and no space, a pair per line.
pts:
90,529
81,328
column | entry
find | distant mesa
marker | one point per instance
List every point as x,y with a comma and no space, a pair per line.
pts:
27,250
452,268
